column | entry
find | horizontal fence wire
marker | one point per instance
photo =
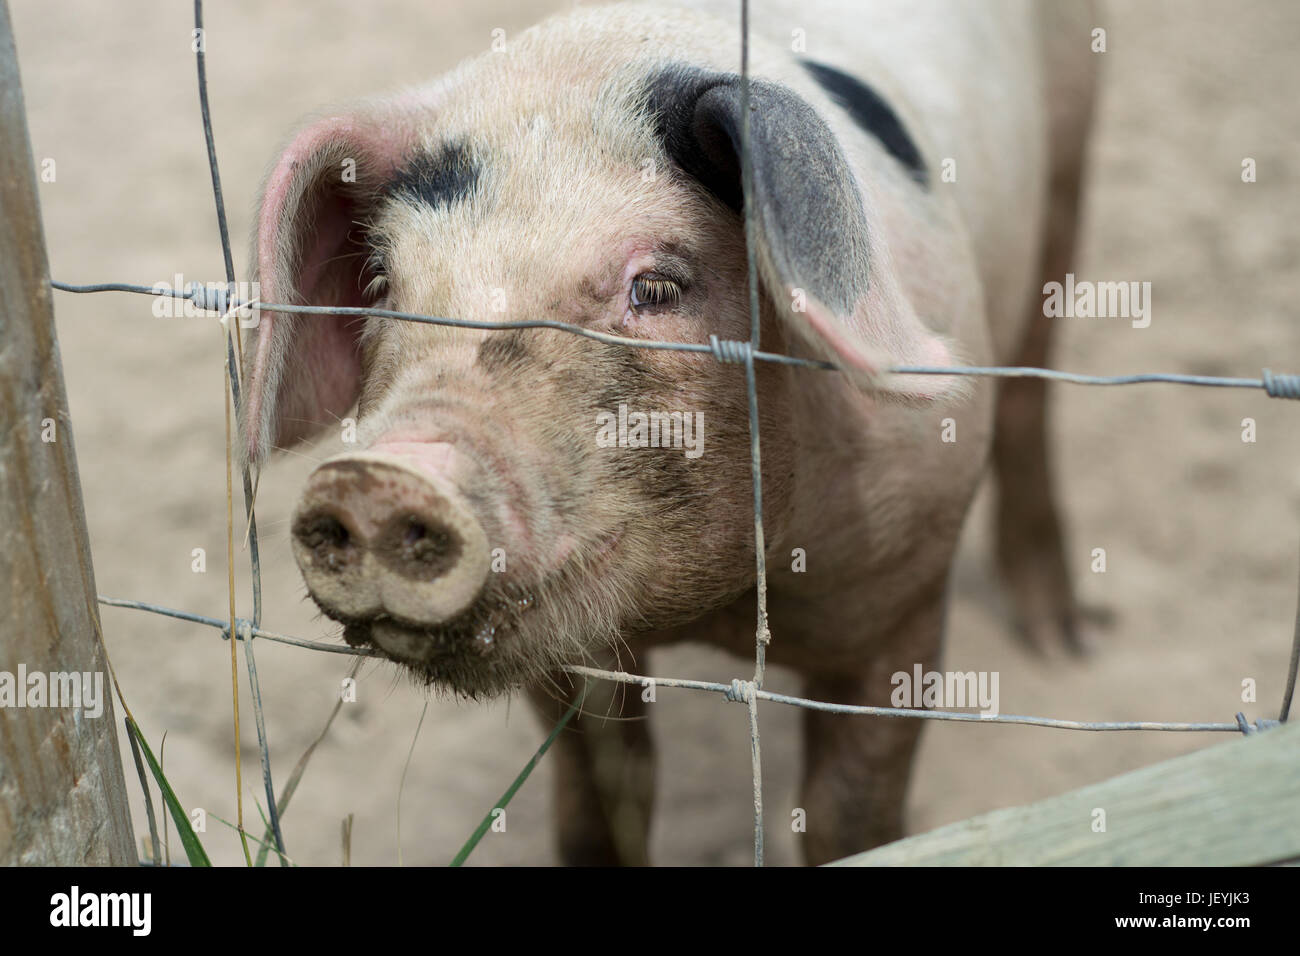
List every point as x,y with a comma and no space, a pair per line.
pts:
1275,384
221,299
737,690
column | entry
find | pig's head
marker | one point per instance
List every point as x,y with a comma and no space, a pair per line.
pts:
496,517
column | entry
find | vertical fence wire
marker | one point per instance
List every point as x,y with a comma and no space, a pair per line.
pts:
762,634
232,377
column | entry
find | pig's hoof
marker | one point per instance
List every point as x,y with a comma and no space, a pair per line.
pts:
1076,631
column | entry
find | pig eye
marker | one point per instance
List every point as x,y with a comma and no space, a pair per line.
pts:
377,286
650,290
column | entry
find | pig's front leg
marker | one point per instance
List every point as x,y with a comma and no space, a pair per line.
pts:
604,772
856,768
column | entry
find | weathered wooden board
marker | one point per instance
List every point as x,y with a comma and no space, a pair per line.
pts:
1234,804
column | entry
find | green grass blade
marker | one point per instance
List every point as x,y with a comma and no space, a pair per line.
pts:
266,827
193,848
484,826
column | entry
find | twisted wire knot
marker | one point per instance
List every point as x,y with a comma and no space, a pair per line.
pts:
213,298
1281,385
730,351
243,630
1263,723
740,691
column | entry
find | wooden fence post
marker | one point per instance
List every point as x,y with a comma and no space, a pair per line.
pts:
62,794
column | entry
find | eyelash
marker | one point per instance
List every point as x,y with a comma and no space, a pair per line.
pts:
377,269
650,291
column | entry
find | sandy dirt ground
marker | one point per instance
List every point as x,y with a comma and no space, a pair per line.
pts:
1199,527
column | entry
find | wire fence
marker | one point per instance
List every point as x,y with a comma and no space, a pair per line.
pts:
216,300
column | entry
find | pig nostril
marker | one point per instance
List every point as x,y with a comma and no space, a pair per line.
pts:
421,540
421,543
323,530
420,549
326,538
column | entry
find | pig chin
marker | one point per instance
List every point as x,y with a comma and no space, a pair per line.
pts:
474,653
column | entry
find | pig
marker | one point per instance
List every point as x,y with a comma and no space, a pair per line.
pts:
916,171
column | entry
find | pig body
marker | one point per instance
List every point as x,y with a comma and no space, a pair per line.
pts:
916,175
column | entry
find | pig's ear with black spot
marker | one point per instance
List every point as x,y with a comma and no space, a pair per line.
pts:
814,251
303,371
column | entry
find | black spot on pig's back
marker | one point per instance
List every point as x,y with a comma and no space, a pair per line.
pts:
873,114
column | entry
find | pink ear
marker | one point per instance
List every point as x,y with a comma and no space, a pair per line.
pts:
304,370
878,336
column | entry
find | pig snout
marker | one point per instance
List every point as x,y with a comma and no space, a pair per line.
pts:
378,538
